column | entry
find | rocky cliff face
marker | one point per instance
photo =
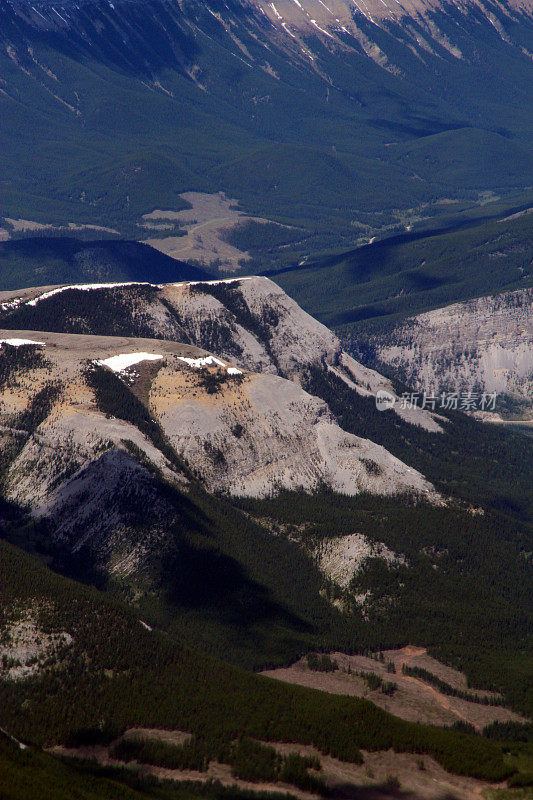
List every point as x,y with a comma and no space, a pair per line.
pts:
181,412
482,345
378,30
252,321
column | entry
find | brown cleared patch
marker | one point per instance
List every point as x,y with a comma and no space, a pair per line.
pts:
30,226
414,700
215,771
206,223
419,777
177,382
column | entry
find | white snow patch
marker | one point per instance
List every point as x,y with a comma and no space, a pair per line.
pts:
199,363
145,625
38,12
59,15
313,22
20,342
284,26
17,301
364,13
209,361
329,9
3,730
124,360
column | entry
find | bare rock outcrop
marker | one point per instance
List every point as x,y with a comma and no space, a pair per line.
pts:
481,345
238,432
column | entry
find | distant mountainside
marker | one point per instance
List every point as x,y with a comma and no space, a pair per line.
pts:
47,260
397,112
372,286
482,345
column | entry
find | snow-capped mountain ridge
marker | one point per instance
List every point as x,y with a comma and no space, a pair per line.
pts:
248,321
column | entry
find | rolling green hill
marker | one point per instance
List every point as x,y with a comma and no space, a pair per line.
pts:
53,260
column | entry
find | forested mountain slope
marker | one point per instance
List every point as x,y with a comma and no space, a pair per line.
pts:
113,673
371,287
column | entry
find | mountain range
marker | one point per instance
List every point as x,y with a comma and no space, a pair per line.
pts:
208,458
338,120
266,380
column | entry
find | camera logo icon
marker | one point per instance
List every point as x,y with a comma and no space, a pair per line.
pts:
384,400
